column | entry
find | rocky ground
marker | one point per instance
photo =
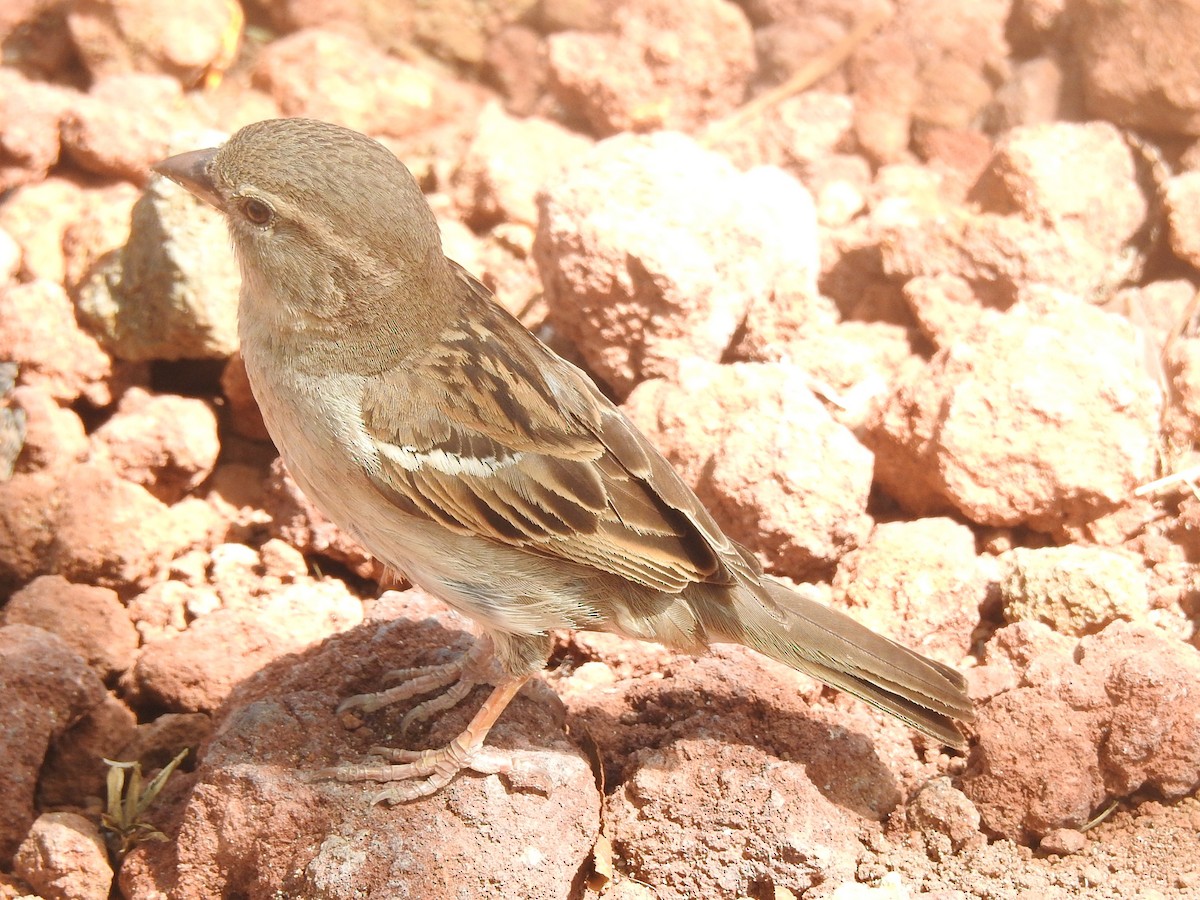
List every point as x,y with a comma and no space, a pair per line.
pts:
907,291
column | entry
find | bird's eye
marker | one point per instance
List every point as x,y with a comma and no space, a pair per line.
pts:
256,211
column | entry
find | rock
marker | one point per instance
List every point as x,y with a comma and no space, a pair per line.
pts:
191,41
64,858
979,432
98,231
657,66
53,437
1135,64
166,443
255,820
931,65
1183,220
495,181
112,532
1089,722
28,501
75,772
941,811
324,74
1075,590
295,520
920,583
1063,842
999,255
44,689
641,270
761,452
38,331
172,293
124,125
91,620
36,217
244,414
1098,192
30,113
702,818
36,41
195,670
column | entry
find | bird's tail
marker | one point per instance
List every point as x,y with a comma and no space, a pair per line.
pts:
838,651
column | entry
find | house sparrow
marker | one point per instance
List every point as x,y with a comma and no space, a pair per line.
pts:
461,451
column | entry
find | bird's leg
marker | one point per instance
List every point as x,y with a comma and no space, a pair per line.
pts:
423,772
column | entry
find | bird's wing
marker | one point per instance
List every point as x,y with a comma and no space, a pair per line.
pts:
490,433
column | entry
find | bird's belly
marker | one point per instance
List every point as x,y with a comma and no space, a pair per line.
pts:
318,431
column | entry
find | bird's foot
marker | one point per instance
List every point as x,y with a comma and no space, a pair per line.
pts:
453,681
419,773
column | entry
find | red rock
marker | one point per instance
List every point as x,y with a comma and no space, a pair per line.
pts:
703,818
190,40
942,812
1136,64
1024,735
44,688
657,65
255,820
328,75
1099,192
112,532
920,583
945,306
931,65
642,271
1063,842
64,858
36,216
1103,719
299,523
157,742
30,112
196,670
495,183
388,25
29,501
1152,741
244,414
1075,590
171,293
978,432
166,443
38,331
799,135
75,773
515,62
100,229
1038,92
36,41
768,461
91,620
124,125
999,254
160,611
1182,197
54,436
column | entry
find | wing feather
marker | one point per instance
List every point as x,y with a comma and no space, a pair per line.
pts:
490,433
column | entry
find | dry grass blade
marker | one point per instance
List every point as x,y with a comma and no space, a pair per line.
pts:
128,801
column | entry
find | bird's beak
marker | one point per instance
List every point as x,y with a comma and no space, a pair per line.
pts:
190,170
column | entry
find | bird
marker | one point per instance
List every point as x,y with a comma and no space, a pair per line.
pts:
460,450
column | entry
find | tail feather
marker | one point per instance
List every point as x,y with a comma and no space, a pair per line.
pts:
835,649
